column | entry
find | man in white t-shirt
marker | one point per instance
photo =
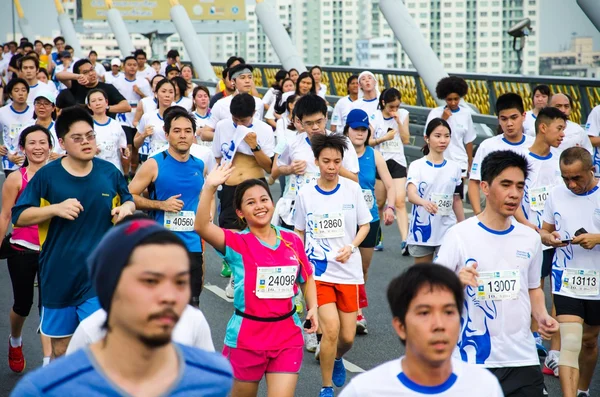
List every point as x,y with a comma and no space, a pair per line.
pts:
144,70
575,135
539,97
331,215
426,303
367,96
115,71
572,226
592,128
342,106
510,117
499,263
98,67
29,67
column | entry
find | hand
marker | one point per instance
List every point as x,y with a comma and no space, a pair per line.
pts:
250,139
69,209
173,204
547,326
148,131
430,207
553,239
298,167
98,150
388,135
586,240
447,113
137,90
468,275
313,316
120,212
125,153
15,158
219,175
53,156
344,254
270,180
81,79
3,149
388,216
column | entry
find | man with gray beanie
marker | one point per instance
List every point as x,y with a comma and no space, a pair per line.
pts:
141,273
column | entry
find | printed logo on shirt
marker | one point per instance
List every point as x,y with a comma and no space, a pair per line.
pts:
105,195
523,255
587,126
474,167
347,207
454,180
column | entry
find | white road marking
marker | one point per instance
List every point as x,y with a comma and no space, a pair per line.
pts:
352,368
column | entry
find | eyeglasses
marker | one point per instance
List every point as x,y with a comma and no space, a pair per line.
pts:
90,136
310,124
44,104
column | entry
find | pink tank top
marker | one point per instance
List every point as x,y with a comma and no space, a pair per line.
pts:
25,237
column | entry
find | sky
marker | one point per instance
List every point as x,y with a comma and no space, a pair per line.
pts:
559,20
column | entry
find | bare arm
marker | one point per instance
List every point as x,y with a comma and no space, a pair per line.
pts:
347,174
386,177
207,134
139,112
121,107
595,140
275,169
469,149
473,194
263,160
145,175
10,190
36,215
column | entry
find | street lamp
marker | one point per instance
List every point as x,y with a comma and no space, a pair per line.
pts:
519,32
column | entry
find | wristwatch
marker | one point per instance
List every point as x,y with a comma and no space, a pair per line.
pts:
353,247
256,149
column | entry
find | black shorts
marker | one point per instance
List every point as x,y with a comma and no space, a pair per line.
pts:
460,189
228,219
547,262
196,276
373,237
520,381
23,267
397,170
588,310
129,134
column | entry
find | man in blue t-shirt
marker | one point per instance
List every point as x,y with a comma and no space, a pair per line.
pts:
74,201
141,272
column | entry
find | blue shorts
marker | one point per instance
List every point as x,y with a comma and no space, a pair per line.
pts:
62,323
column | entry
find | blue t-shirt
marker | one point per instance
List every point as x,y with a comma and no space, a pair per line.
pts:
201,373
65,244
176,177
366,180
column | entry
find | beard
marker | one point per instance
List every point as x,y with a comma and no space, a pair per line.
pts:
155,341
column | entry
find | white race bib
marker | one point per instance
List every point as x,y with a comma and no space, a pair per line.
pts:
393,146
500,285
275,282
443,202
14,130
538,197
297,181
580,282
369,198
107,147
329,225
182,221
207,144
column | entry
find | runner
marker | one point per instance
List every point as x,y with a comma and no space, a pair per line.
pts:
510,111
317,73
575,135
264,336
23,245
367,95
271,93
539,99
371,164
140,271
294,74
13,118
29,66
426,303
174,180
147,104
44,113
110,137
180,97
277,110
572,226
332,216
390,135
115,71
144,70
201,97
228,90
337,119
65,199
172,71
431,186
285,133
100,71
499,262
188,74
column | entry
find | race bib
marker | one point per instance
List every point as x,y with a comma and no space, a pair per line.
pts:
580,282
107,147
207,144
538,197
182,221
275,282
369,198
443,202
155,145
501,285
329,225
393,146
297,181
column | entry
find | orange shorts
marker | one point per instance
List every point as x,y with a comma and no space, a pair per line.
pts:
345,296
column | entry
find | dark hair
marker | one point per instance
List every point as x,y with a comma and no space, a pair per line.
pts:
281,107
196,89
172,54
404,288
576,153
547,115
240,189
29,57
80,63
542,88
433,124
139,52
43,70
320,142
242,105
187,66
59,38
310,104
293,69
279,76
38,41
315,67
155,62
306,75
70,116
155,77
65,99
449,85
388,95
128,58
351,79
31,129
347,129
26,44
225,73
48,45
181,84
233,59
176,112
17,80
95,91
496,162
92,52
510,100
68,47
163,82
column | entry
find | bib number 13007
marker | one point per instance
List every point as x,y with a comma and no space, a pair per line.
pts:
499,285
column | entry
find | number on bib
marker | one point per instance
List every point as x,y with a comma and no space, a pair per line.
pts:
393,146
182,221
369,198
501,285
443,202
329,225
538,197
580,282
275,282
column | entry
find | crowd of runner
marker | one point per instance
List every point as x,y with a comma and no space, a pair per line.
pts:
117,180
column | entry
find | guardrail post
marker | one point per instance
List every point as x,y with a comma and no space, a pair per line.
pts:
492,96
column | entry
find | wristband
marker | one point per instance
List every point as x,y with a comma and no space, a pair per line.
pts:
391,208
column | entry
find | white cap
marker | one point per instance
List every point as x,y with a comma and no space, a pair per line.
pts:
47,95
115,62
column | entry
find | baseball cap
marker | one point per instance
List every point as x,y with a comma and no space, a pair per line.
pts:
47,95
115,62
171,68
357,118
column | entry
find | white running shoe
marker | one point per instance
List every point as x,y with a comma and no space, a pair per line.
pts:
310,342
229,289
317,351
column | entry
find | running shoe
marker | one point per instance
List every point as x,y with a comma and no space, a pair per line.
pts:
539,345
16,360
326,392
583,394
551,365
339,373
379,246
545,391
317,351
299,304
229,289
404,249
310,342
225,270
361,325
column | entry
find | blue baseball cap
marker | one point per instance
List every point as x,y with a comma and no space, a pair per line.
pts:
357,118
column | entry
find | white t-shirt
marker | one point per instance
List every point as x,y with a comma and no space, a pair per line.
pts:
495,144
12,123
529,123
185,103
340,112
544,174
125,87
393,149
38,88
110,78
229,139
191,330
322,90
283,134
389,380
368,105
592,128
462,132
201,121
269,96
100,70
575,135
200,152
436,183
110,139
338,212
158,139
495,333
568,213
147,73
221,110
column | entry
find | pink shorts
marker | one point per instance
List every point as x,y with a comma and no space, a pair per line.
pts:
252,365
